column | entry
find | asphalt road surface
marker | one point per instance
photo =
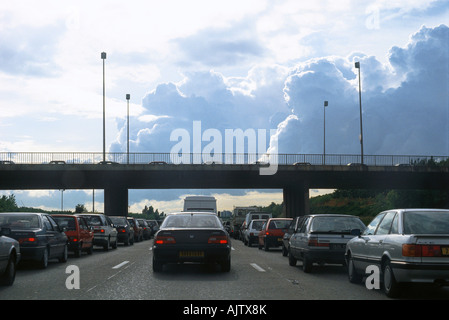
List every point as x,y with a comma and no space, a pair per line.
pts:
126,273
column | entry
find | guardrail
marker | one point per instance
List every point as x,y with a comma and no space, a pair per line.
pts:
193,158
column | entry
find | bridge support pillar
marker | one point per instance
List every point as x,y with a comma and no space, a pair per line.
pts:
296,201
116,201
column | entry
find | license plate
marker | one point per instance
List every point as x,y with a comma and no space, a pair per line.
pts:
337,246
445,251
191,254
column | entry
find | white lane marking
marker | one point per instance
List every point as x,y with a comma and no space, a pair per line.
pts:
255,266
120,265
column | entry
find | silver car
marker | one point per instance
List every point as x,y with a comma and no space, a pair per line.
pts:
322,238
406,245
251,234
9,257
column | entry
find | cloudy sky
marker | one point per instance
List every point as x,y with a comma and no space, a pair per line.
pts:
229,64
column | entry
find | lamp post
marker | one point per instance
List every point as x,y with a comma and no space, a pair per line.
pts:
128,96
324,133
103,57
357,65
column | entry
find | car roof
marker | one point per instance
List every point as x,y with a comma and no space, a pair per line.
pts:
11,213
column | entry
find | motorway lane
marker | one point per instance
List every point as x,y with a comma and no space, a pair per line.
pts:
126,273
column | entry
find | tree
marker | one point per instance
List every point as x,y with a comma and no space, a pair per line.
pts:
8,203
80,208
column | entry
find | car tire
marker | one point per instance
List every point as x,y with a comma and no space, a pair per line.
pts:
265,245
77,251
7,278
157,265
291,260
114,244
226,265
65,255
306,264
43,262
106,246
353,276
284,251
390,287
90,250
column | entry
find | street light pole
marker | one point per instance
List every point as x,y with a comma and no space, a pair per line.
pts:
103,57
357,65
324,133
128,96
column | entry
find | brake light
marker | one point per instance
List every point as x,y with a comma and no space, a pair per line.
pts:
165,240
418,250
31,239
218,239
315,243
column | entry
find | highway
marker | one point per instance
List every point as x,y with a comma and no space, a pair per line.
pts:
126,273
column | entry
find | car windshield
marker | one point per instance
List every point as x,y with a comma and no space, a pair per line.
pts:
19,221
426,222
335,224
191,221
66,222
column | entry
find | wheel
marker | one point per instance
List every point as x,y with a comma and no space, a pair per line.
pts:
291,260
284,251
90,250
43,263
77,250
114,244
390,286
7,278
106,245
126,242
353,276
226,265
65,255
265,245
157,265
306,264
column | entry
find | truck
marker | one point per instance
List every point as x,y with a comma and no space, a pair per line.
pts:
238,217
257,215
200,203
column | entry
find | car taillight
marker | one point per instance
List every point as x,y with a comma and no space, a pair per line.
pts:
30,239
315,243
421,250
164,240
218,239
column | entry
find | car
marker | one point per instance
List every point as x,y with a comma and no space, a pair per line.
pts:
406,245
251,234
154,226
138,230
78,232
146,229
270,236
192,237
39,235
125,232
322,238
286,238
9,257
105,234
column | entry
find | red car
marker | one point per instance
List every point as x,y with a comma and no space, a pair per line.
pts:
78,232
272,232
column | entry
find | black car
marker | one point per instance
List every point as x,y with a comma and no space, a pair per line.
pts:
125,232
38,234
146,229
192,237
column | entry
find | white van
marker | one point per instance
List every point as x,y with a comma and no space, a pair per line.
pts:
257,215
200,203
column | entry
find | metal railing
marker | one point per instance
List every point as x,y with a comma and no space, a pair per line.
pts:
194,158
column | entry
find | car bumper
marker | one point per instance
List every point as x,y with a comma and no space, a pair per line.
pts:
327,256
100,239
31,253
191,254
421,273
273,241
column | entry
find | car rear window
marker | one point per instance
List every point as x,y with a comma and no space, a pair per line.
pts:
257,225
335,224
66,222
191,221
426,222
279,224
19,221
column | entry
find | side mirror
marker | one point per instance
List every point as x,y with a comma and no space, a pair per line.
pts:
356,232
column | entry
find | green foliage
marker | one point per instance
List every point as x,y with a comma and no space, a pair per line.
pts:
8,203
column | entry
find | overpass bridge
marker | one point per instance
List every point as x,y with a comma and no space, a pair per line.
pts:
295,174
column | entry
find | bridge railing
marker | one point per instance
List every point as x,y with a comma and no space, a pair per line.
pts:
194,158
